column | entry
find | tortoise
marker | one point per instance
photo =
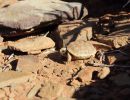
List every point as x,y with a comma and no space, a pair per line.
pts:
79,50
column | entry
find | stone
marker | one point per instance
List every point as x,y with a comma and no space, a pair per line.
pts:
51,90
114,41
65,98
2,93
31,44
1,39
68,91
20,98
116,57
3,46
121,79
85,34
72,31
28,63
7,91
13,77
105,71
30,14
86,74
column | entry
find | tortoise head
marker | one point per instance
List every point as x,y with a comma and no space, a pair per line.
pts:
63,51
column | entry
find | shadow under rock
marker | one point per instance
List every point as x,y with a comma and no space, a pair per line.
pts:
104,89
57,57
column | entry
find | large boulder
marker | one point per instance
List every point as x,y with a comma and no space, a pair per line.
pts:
28,14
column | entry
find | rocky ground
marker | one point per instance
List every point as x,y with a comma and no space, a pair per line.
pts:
62,58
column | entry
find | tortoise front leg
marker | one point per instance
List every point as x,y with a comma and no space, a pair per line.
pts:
69,57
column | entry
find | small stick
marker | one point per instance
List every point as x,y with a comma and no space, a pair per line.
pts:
105,65
46,34
126,4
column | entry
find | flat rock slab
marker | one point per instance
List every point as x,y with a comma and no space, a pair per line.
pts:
114,41
32,44
28,63
27,14
51,90
13,77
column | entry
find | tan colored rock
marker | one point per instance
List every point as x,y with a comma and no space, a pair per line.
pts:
103,72
85,34
13,77
113,58
20,98
68,91
32,44
2,93
28,63
86,74
114,41
65,98
11,95
51,90
100,46
7,91
71,31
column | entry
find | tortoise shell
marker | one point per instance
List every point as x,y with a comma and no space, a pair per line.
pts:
81,49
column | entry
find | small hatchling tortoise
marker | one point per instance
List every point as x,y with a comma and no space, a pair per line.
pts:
79,50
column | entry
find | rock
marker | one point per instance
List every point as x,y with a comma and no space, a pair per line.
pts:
7,91
2,93
33,91
85,34
29,14
1,39
68,91
28,63
86,75
32,45
51,90
116,57
65,98
20,98
105,71
121,79
114,41
3,46
72,31
12,77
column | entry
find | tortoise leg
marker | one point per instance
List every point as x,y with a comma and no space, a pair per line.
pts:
69,57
